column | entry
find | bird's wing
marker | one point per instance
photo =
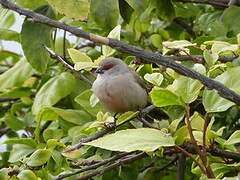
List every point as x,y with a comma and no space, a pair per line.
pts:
139,80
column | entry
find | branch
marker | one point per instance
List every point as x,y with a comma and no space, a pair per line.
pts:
94,166
215,152
189,30
146,123
210,2
7,99
166,165
186,153
232,2
133,50
181,165
222,59
53,55
4,131
114,165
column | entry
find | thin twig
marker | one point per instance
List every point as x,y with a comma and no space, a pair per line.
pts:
190,130
114,165
189,30
208,171
146,123
45,126
94,166
206,122
69,66
7,99
85,44
166,165
190,156
64,44
4,131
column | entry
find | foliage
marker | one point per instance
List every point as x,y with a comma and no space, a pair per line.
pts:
46,108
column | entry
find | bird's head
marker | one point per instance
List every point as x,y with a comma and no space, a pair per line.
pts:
111,66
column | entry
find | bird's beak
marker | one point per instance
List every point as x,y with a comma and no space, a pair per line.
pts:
99,70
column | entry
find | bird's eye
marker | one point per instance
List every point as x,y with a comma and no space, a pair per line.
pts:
107,66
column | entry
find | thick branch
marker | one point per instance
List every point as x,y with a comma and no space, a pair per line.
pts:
133,50
210,2
222,59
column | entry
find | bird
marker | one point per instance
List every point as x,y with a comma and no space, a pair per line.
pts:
118,87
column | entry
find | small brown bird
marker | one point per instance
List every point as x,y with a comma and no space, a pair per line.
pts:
118,87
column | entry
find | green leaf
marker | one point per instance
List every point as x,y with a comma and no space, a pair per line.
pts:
93,100
197,121
7,18
17,93
52,143
61,45
186,88
25,141
76,9
31,4
33,38
39,157
53,90
229,17
164,97
126,116
125,10
179,44
138,5
238,39
165,10
74,116
156,40
13,122
181,135
212,101
78,56
5,54
105,14
81,60
19,152
9,35
114,34
4,174
84,65
27,175
143,139
210,58
233,139
16,75
220,47
84,100
154,78
52,134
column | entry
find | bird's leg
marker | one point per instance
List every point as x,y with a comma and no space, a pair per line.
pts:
113,124
115,119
